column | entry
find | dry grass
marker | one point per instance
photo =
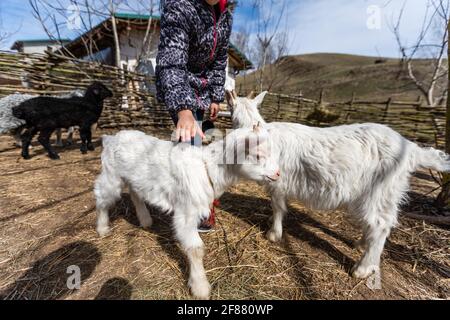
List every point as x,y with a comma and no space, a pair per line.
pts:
47,215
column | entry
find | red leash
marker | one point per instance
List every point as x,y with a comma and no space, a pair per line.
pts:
212,213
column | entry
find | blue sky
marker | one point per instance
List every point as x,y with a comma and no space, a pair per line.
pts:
313,25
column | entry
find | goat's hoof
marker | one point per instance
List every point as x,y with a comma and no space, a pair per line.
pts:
26,156
273,236
54,157
84,151
68,143
91,147
363,272
201,289
103,231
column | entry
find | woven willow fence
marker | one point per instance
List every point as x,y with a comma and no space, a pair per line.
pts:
52,74
410,118
132,106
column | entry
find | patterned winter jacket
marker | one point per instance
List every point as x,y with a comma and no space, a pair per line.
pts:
192,54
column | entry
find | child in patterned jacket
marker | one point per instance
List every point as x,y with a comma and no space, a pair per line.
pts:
191,65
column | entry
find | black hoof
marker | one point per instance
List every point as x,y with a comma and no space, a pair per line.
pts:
68,143
91,148
26,156
54,156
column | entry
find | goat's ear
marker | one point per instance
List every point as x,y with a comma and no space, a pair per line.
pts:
260,98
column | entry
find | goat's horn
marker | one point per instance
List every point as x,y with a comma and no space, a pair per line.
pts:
251,95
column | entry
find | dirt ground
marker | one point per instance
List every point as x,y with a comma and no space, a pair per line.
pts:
47,223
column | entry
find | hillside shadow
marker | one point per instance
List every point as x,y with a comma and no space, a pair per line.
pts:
48,278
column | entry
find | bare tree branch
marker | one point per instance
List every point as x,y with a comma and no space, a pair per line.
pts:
271,42
437,16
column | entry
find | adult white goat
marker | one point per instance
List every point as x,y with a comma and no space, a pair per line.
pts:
361,168
179,179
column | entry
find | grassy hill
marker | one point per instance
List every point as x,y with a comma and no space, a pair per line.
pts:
339,74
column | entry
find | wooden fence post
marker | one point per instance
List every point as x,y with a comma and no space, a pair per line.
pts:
353,100
386,110
419,101
351,103
279,107
321,99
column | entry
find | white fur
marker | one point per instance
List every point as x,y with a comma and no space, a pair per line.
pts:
8,122
176,178
361,168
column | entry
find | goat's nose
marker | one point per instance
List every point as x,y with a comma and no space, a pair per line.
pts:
278,173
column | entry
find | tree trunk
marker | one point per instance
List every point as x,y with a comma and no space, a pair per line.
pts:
444,197
117,55
263,64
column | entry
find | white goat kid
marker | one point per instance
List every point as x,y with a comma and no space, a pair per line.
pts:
179,179
362,168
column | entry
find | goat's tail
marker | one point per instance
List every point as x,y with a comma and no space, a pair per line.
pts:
430,158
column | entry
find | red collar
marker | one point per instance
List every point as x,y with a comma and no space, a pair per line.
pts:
222,5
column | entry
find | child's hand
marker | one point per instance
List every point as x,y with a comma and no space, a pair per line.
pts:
187,127
214,111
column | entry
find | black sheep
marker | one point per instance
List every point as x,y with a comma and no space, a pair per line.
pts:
46,114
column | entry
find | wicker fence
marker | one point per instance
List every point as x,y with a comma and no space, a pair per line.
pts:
52,74
411,118
132,106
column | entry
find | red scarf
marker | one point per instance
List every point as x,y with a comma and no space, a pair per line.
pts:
222,5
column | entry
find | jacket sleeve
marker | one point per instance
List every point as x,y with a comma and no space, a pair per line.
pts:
172,60
216,76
